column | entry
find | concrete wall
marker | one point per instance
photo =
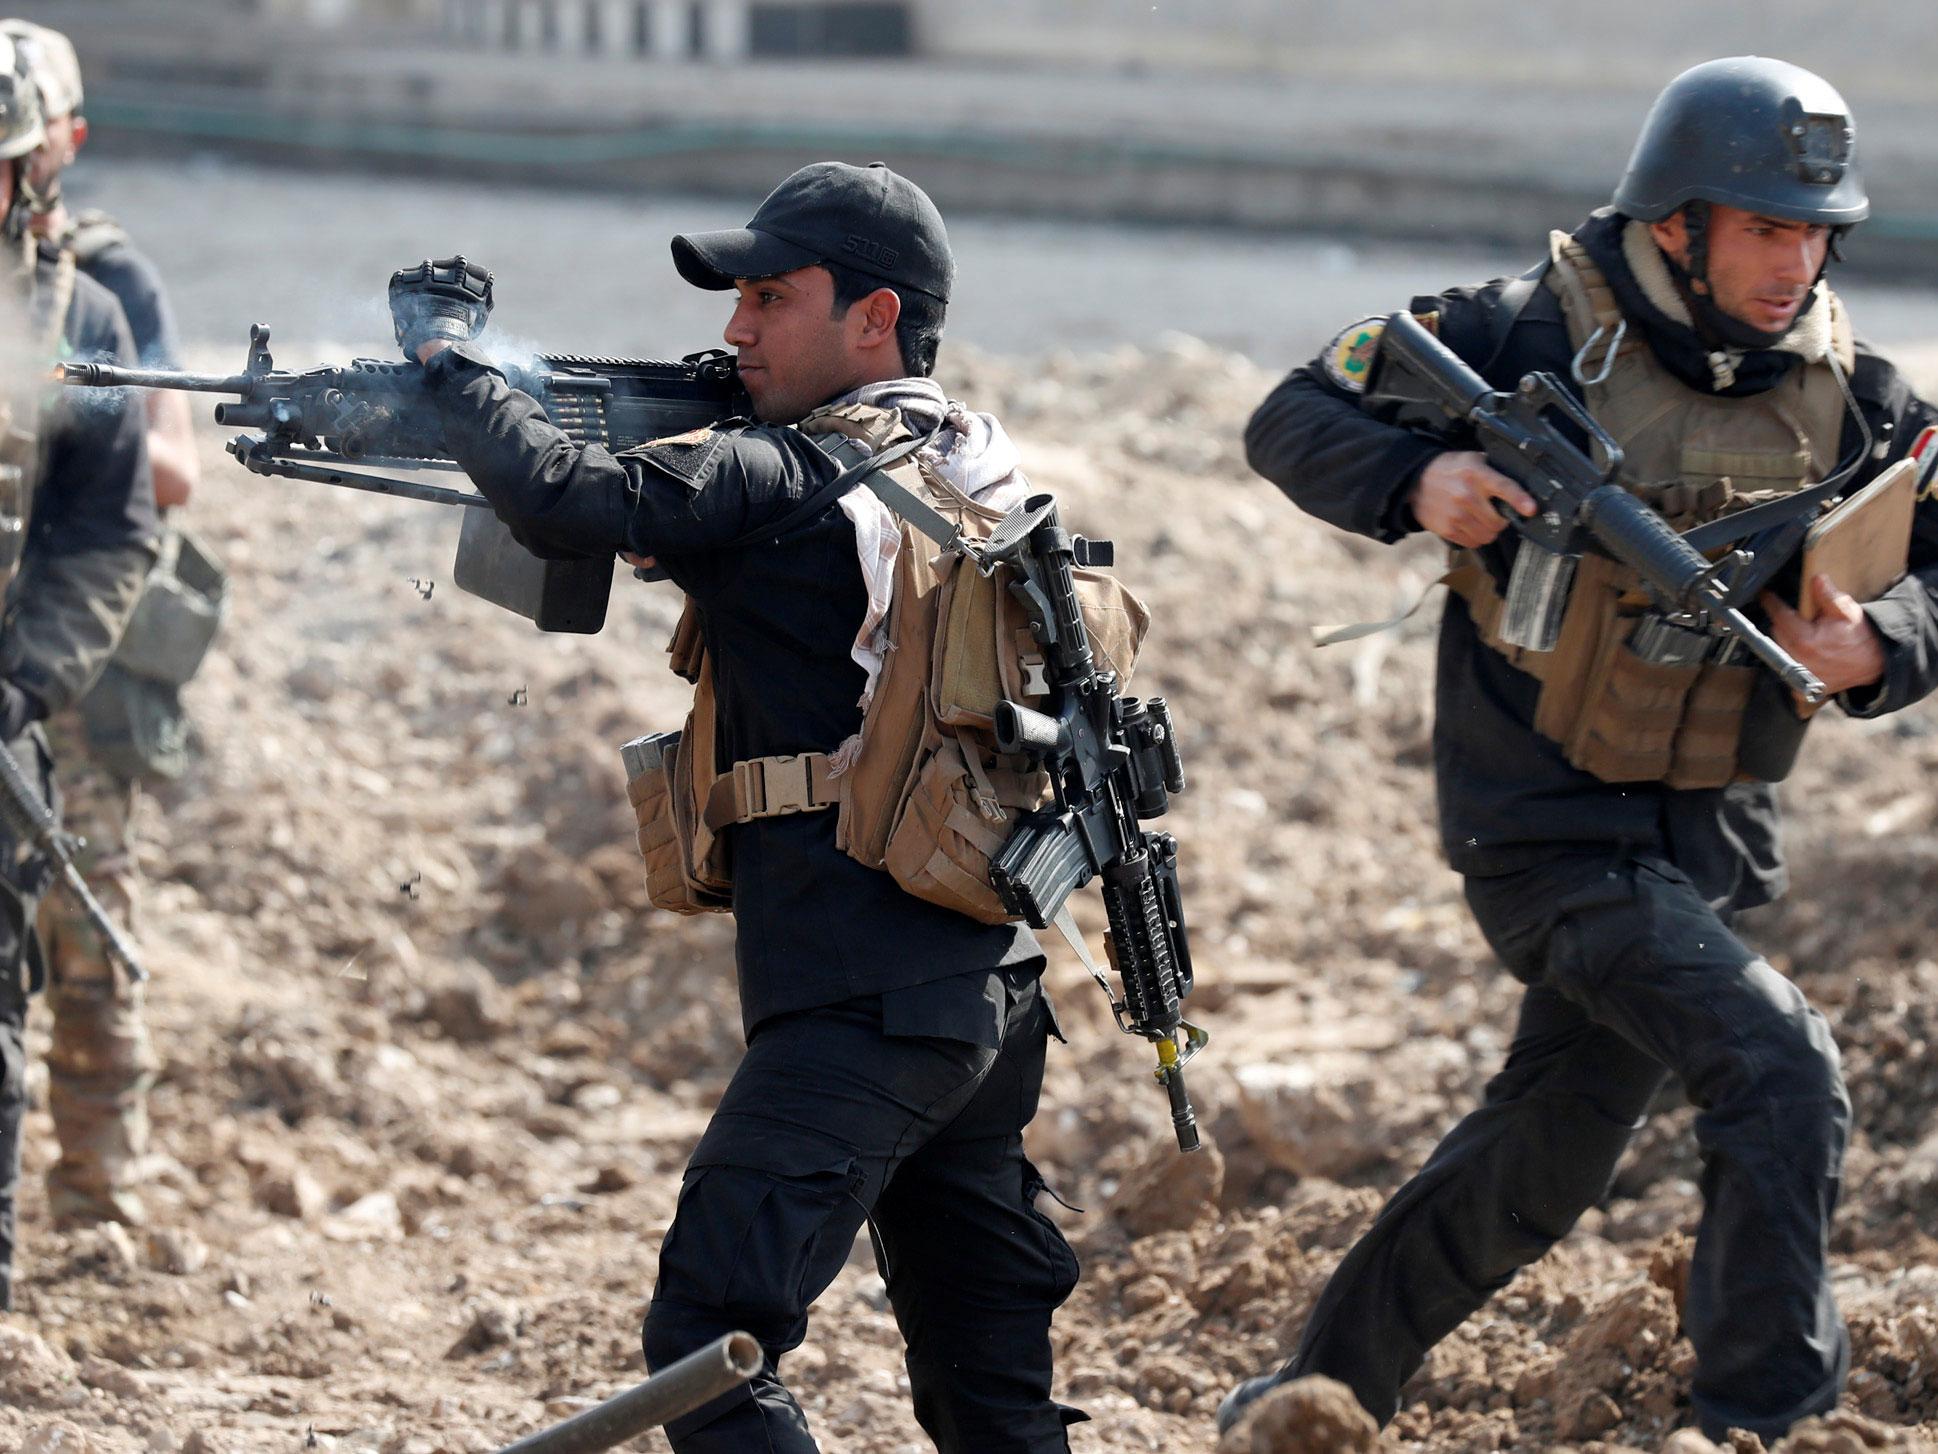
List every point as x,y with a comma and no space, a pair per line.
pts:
1887,45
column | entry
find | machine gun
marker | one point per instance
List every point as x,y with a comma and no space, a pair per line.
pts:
1579,507
353,425
32,825
1112,762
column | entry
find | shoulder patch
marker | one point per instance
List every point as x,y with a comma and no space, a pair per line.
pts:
686,457
1349,357
692,436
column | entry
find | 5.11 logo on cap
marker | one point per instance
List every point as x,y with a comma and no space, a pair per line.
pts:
874,252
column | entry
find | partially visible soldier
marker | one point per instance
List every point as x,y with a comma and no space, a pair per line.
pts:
103,249
102,1063
1608,800
77,533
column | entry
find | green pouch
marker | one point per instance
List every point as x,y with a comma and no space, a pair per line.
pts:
136,727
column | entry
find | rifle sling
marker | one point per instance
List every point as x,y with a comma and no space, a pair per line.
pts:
872,470
860,467
1731,528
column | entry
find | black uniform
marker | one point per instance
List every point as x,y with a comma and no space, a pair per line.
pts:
1611,902
90,541
895,1049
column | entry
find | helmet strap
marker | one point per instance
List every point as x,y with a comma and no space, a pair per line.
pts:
14,226
1695,226
40,200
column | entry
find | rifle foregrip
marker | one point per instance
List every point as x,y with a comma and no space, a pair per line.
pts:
1641,539
1140,938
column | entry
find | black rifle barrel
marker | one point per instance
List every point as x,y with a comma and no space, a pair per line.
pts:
114,376
33,825
696,1380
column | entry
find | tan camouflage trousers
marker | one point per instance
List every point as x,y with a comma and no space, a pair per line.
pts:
102,1063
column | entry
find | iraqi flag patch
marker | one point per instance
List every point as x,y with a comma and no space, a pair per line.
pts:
1923,451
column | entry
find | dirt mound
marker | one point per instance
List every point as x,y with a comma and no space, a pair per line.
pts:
431,1073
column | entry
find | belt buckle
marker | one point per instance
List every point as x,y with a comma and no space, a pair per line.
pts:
785,786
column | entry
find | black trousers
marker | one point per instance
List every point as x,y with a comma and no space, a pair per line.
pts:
1629,972
829,1120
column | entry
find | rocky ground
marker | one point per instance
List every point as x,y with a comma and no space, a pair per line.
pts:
431,1070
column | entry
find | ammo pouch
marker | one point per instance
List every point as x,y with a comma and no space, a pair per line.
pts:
958,800
920,792
133,714
686,864
177,615
1624,718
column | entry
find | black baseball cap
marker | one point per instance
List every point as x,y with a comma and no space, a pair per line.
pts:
866,218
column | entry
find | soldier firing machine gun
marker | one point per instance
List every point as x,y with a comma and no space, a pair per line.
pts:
352,426
1112,760
1580,507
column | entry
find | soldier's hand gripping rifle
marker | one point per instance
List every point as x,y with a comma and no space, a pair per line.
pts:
30,823
1112,761
359,425
1579,506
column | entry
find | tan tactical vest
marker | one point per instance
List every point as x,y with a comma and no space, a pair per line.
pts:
1694,456
921,791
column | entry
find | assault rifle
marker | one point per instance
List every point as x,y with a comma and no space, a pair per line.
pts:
356,425
1112,761
32,825
1579,507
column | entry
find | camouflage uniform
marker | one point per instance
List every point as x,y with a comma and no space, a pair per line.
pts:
102,1062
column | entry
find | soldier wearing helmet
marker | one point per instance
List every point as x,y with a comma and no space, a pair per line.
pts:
102,1063
1605,791
77,536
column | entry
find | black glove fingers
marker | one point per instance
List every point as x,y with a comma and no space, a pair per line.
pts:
439,298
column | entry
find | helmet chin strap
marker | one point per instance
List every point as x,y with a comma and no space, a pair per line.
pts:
14,227
40,200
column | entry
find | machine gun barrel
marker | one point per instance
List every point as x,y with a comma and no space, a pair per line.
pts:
115,376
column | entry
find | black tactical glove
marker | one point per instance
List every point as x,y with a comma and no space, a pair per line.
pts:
449,298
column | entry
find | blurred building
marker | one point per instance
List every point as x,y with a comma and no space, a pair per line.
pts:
719,30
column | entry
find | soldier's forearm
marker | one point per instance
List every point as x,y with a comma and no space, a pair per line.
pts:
171,449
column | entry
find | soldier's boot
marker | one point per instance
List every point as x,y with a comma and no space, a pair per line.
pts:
100,1069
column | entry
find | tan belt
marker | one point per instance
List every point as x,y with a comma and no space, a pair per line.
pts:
771,787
